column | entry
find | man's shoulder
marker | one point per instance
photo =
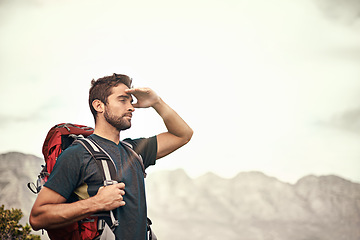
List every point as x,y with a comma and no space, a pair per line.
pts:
136,141
146,147
75,150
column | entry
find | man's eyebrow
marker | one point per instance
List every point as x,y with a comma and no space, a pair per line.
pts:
126,97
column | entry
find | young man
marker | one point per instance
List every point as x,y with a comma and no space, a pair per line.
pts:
75,189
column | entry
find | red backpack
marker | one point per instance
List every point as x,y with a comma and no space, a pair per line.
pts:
58,139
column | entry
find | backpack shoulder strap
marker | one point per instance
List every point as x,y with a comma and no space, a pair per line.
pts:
136,155
102,158
107,165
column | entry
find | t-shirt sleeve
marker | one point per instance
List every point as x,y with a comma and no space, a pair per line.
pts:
65,177
146,147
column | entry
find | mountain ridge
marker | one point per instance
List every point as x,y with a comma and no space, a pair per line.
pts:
324,207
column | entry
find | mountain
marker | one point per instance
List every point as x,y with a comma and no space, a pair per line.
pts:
250,206
16,170
253,206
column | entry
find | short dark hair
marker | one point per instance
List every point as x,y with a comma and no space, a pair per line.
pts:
101,88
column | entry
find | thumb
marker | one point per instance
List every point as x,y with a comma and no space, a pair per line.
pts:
136,105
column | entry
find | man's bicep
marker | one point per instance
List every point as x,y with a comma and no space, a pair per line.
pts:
45,207
45,197
167,143
49,196
66,175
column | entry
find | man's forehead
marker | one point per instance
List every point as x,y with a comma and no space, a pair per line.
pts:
119,89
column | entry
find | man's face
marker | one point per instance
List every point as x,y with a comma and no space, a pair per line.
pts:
119,109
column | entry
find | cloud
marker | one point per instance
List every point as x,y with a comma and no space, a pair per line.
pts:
346,11
34,109
6,119
256,73
349,121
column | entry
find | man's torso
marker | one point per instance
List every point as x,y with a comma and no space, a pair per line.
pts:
77,176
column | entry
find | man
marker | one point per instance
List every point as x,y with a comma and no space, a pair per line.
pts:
74,189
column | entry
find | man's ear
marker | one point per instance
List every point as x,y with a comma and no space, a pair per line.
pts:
98,105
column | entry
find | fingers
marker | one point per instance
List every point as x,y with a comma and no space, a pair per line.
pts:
120,185
140,92
132,90
136,105
119,192
140,89
111,196
119,188
145,97
121,203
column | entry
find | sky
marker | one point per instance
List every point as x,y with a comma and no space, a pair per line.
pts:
266,85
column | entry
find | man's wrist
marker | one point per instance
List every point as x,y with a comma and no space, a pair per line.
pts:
93,204
159,104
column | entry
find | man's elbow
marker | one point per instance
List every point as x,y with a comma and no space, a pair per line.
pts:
34,223
188,136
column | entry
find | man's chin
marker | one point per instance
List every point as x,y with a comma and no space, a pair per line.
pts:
119,124
124,127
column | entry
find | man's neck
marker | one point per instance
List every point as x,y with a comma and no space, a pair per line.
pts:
107,132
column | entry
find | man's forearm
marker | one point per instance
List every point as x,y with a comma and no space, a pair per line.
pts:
173,122
51,211
178,134
51,216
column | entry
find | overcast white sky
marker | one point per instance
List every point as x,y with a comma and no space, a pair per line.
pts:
267,85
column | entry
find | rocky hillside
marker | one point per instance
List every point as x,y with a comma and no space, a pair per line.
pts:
16,170
250,206
253,206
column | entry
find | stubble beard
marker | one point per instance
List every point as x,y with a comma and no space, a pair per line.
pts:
119,123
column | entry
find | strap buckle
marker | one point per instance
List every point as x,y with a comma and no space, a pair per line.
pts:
109,182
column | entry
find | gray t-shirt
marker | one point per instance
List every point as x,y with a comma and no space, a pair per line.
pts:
76,176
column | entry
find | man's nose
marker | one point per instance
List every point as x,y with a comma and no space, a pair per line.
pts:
131,108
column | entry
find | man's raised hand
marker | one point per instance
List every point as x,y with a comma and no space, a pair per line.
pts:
146,97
